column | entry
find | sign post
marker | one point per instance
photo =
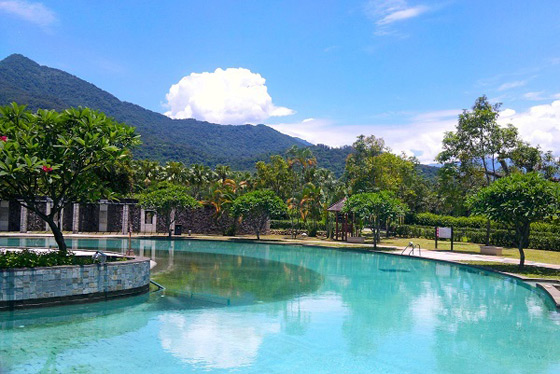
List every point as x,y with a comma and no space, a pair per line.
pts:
444,233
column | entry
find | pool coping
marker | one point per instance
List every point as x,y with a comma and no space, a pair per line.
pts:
35,302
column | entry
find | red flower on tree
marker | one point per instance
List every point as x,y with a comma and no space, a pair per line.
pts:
47,169
4,138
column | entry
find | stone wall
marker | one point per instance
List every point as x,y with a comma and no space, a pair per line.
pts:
199,221
89,217
63,284
203,221
114,217
34,222
67,217
14,216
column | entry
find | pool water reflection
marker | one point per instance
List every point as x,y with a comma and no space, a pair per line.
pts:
257,308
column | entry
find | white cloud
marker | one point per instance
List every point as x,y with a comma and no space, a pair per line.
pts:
421,135
536,96
32,12
232,96
214,340
387,12
540,125
401,15
510,85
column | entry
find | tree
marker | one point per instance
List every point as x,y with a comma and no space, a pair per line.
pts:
479,143
59,155
517,201
374,208
168,201
258,207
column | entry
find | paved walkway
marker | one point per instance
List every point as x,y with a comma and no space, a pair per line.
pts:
462,256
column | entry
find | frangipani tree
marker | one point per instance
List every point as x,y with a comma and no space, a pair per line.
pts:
58,155
168,201
258,207
374,208
518,201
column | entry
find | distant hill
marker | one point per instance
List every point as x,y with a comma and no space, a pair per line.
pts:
187,140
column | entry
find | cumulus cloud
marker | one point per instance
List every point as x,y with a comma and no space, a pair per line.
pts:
387,12
540,125
232,96
33,12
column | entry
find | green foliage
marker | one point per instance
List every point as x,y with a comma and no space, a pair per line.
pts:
430,219
64,156
168,200
375,207
258,206
31,259
518,200
372,167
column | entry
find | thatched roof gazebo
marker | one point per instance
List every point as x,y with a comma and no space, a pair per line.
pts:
336,208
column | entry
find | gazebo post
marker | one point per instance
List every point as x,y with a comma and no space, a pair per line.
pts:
336,215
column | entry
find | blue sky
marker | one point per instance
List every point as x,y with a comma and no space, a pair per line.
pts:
400,69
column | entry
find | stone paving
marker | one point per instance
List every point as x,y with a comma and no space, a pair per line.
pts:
462,256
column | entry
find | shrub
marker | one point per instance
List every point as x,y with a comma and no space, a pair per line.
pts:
499,237
31,259
430,219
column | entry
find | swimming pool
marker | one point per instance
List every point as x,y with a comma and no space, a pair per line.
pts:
259,308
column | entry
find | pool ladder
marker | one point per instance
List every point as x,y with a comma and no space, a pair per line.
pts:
412,246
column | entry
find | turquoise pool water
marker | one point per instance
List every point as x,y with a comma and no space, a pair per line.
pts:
256,308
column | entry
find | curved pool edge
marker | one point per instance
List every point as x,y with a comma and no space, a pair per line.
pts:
24,288
529,283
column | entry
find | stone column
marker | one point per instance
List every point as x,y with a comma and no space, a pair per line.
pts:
125,213
23,220
173,212
48,207
76,218
142,220
103,213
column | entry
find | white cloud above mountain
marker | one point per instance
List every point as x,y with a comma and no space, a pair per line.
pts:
232,96
33,12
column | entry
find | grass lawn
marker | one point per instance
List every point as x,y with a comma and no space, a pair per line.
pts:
549,257
528,271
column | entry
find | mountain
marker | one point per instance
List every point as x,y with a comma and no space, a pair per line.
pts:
190,141
164,139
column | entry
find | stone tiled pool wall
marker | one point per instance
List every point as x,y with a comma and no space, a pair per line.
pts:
68,284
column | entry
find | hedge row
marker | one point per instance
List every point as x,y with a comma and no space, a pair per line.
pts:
498,237
430,219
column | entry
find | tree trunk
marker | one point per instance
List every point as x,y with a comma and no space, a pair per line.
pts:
521,256
58,237
523,237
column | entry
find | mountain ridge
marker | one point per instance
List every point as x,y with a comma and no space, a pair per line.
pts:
187,140
164,139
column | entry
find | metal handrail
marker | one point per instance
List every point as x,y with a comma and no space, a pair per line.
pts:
412,246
